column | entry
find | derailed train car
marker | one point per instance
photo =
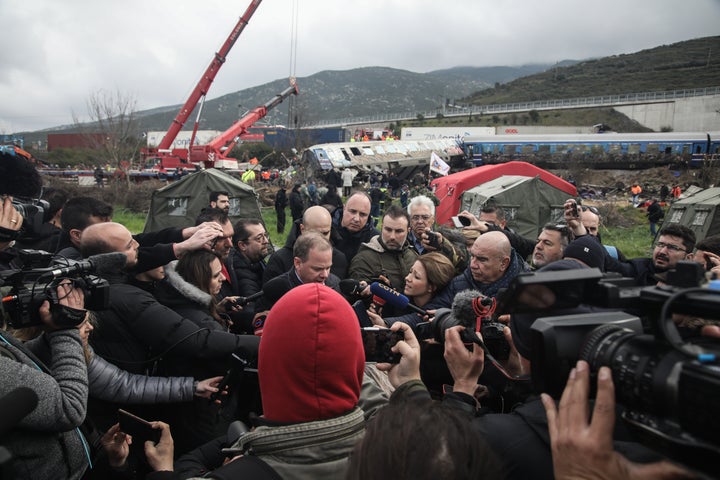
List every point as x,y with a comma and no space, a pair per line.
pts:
404,158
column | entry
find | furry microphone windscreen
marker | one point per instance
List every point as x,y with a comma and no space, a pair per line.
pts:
19,177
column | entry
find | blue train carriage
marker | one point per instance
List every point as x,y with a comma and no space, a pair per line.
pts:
602,150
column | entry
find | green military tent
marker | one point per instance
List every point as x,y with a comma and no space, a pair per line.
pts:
180,202
699,211
528,202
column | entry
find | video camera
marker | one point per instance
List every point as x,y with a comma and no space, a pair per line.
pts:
26,288
667,385
475,312
35,213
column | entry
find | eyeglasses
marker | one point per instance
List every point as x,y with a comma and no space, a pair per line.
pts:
424,218
590,209
669,246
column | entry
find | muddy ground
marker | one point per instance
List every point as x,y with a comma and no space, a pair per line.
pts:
616,183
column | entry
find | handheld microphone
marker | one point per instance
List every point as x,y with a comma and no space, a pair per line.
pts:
101,263
15,406
348,286
242,301
394,298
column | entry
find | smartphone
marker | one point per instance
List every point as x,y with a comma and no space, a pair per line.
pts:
378,343
575,211
433,239
232,376
140,429
460,222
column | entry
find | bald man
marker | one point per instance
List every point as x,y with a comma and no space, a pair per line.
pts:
493,265
315,219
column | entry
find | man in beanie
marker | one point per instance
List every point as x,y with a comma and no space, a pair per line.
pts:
586,250
310,368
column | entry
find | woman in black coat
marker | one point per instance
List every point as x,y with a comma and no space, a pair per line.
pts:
189,288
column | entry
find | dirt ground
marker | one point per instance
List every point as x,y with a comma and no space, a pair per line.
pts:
616,183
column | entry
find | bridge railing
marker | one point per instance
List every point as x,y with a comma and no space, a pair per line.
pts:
602,100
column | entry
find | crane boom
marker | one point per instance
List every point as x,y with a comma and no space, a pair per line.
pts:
221,145
207,78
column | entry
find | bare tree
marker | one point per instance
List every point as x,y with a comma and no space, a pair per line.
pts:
112,129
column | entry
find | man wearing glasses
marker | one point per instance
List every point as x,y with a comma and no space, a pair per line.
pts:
247,263
421,237
675,243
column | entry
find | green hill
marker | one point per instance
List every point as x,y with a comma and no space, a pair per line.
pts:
683,65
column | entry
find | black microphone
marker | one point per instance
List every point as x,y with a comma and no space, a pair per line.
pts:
15,406
348,286
242,301
101,263
394,298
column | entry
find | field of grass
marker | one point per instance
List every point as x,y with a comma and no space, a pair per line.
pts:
627,229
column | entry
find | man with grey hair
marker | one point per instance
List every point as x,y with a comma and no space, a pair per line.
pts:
421,237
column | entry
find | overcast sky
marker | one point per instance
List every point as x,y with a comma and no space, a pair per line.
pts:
54,54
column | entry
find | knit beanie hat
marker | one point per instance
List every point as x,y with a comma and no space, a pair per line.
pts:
588,250
311,357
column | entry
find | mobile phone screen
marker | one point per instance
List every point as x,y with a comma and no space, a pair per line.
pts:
378,343
457,222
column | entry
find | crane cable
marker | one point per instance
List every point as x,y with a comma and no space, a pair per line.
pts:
292,118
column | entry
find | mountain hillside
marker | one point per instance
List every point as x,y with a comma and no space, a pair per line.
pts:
683,65
360,92
368,91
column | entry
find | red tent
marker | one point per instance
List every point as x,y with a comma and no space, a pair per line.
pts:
449,189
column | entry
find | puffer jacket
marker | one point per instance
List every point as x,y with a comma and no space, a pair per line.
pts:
108,382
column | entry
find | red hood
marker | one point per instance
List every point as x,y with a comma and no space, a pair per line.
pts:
311,356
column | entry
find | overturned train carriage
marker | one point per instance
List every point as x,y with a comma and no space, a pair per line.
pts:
405,158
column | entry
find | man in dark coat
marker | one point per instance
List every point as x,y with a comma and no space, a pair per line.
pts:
351,226
297,205
281,201
315,219
252,244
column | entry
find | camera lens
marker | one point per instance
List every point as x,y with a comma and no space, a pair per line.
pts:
641,367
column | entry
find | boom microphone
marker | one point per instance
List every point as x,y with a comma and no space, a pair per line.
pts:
394,298
469,306
15,406
101,263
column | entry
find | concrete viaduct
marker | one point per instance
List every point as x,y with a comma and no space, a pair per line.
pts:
695,110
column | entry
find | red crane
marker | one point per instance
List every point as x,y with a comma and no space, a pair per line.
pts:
179,156
223,144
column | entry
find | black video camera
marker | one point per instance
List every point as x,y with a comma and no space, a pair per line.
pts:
25,289
34,213
667,385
